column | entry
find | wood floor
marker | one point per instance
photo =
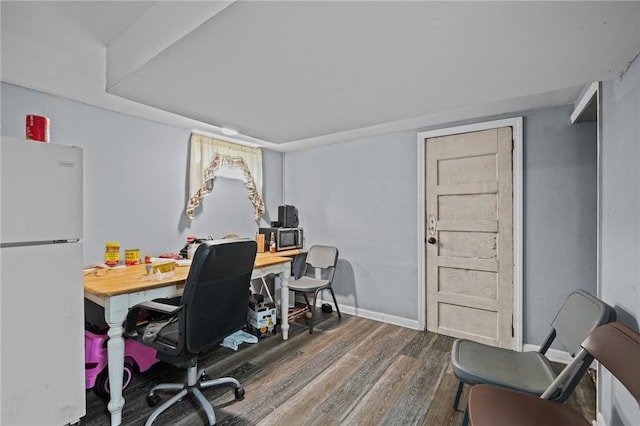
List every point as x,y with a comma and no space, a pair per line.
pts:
350,371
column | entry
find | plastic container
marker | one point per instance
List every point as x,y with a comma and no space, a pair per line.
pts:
37,128
112,254
163,271
260,242
272,244
132,257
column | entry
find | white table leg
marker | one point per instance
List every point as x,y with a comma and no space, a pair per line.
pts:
284,296
115,312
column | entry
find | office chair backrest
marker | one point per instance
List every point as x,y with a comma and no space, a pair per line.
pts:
617,347
324,257
579,315
216,294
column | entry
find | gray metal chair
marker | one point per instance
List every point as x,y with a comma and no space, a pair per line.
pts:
317,276
615,345
531,372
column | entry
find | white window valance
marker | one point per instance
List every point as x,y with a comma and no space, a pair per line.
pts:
211,157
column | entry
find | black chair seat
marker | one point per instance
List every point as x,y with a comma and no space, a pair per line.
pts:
169,334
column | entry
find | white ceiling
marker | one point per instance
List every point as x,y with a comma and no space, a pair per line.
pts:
294,74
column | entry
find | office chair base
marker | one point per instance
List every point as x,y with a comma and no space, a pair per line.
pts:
196,380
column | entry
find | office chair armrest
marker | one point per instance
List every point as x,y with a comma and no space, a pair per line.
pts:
131,329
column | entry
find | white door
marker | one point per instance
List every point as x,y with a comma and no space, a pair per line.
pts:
470,236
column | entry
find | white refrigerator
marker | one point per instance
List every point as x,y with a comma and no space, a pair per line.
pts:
41,288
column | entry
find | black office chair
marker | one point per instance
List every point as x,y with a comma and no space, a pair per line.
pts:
213,306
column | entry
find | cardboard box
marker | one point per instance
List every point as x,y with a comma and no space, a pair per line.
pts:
262,319
260,242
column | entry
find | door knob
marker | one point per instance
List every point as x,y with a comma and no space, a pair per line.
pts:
432,240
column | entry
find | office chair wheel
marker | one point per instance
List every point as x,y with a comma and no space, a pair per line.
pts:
204,377
153,400
102,381
239,394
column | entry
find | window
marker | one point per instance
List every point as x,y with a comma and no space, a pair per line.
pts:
212,157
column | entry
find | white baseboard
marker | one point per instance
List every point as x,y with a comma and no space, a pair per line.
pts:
599,421
376,316
554,355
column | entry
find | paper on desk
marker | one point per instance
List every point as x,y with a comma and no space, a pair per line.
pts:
96,266
178,262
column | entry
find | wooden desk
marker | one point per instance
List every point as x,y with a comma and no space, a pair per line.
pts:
285,253
119,289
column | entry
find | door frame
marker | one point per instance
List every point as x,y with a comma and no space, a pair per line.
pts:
517,124
593,93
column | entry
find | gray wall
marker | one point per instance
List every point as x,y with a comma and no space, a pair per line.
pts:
361,196
620,224
135,186
560,220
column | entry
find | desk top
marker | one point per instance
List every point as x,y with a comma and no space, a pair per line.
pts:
284,253
134,278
